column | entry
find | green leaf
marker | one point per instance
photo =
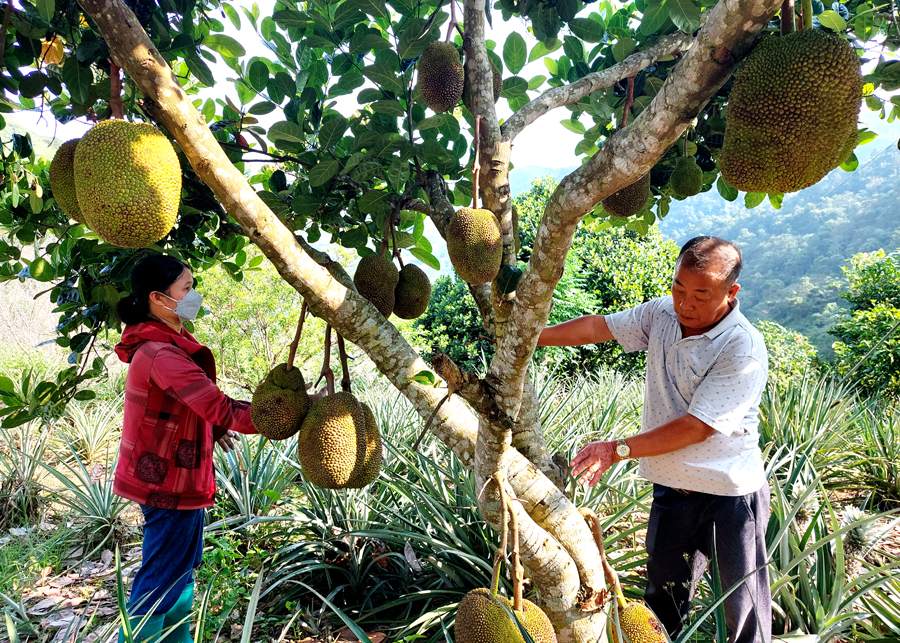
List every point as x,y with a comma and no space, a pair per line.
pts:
425,257
225,45
655,16
622,49
373,202
536,82
728,191
258,75
374,8
287,18
232,14
287,131
390,107
384,76
753,199
265,107
6,385
685,14
543,48
514,86
78,81
776,199
832,20
46,8
323,172
199,69
398,173
573,125
85,395
515,52
865,136
508,279
586,29
850,164
331,131
423,377
413,38
41,270
430,123
355,237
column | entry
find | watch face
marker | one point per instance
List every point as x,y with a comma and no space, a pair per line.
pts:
623,450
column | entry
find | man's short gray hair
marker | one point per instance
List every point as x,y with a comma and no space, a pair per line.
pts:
707,254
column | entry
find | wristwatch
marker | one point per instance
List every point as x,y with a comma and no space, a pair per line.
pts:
622,449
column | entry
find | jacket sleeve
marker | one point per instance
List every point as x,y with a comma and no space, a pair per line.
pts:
175,373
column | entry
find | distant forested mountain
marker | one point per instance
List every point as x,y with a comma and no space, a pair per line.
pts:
793,256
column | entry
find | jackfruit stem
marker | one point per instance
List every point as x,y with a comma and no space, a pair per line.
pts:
293,352
476,164
345,369
807,14
787,17
500,554
326,371
612,578
516,564
115,91
629,102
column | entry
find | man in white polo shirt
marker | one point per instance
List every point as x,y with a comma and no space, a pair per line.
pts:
699,439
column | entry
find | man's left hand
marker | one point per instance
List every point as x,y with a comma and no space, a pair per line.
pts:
593,460
227,441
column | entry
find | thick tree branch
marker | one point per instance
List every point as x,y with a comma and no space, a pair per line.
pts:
730,32
574,92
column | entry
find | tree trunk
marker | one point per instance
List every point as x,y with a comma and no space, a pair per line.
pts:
557,546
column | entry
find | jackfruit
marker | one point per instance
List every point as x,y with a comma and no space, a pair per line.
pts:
375,279
280,403
475,245
128,182
366,470
62,180
629,200
687,178
413,292
481,619
498,87
792,113
332,440
638,624
441,76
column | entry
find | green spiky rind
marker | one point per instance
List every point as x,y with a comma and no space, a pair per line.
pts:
62,180
498,87
289,379
475,245
413,292
376,279
441,76
128,182
629,200
638,623
687,178
332,440
481,619
278,413
367,470
537,623
792,113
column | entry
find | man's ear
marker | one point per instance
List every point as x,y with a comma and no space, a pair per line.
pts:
733,291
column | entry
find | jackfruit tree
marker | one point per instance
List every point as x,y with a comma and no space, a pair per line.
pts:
644,84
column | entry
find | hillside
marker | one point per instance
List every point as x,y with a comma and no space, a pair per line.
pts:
793,256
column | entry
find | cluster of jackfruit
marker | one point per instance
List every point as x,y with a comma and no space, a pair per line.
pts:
480,618
629,200
687,177
441,76
498,87
792,113
122,180
339,445
475,245
405,293
280,403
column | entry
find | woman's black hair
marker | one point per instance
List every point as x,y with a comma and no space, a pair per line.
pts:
154,273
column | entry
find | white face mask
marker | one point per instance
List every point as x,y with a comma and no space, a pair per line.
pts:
186,308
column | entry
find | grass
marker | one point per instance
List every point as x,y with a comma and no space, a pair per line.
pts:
24,558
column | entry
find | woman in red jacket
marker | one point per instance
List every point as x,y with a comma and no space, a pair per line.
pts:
174,413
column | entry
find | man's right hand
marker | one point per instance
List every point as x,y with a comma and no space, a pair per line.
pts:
592,461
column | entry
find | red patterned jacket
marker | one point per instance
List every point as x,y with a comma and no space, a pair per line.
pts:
174,412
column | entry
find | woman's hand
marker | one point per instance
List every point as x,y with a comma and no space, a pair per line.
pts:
227,441
593,460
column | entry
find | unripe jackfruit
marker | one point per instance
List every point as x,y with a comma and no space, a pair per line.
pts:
62,180
332,440
629,200
792,113
413,292
280,403
498,87
687,178
475,245
376,279
128,182
481,619
638,624
441,76
367,469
